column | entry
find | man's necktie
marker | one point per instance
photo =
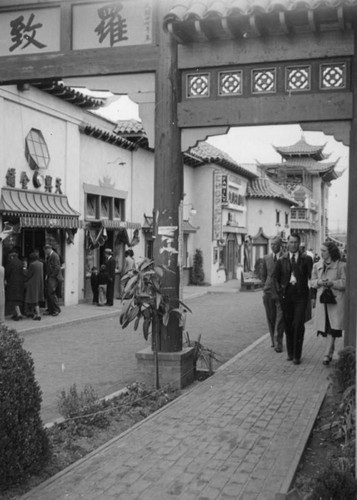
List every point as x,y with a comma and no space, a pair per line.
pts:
275,259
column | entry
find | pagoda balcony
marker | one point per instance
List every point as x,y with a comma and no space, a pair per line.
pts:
303,218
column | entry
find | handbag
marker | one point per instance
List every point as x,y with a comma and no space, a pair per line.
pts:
327,297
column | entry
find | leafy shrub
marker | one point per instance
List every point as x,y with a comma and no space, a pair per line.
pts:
197,275
23,441
84,406
345,368
335,484
347,415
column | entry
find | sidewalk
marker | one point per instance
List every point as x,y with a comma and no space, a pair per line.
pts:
87,311
238,435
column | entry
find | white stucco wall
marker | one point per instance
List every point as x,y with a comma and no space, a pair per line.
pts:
261,213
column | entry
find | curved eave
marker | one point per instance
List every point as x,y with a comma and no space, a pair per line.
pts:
288,201
197,21
107,136
68,94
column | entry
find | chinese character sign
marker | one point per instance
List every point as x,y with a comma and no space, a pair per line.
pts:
217,207
30,32
113,24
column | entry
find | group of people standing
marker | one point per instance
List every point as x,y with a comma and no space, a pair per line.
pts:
103,280
24,285
291,283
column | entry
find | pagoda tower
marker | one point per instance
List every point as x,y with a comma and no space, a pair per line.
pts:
307,177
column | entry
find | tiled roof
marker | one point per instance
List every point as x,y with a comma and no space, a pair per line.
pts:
263,187
129,127
313,166
189,20
301,148
206,153
75,97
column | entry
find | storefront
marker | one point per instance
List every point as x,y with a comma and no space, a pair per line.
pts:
31,219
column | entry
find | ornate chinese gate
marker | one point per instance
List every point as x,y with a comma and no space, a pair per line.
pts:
212,65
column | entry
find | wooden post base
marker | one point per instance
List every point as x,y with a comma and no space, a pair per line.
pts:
175,368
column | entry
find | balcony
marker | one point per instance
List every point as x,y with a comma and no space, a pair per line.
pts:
303,219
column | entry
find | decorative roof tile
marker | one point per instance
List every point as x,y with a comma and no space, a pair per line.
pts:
263,187
62,91
129,127
206,153
199,20
301,148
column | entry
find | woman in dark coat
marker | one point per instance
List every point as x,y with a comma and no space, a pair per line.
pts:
34,287
14,292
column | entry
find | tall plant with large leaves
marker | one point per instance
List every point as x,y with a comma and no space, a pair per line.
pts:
145,303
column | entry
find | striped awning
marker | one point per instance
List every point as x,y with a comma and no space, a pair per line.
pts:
120,224
38,209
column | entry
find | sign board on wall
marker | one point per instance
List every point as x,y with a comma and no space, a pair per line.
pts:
93,26
217,206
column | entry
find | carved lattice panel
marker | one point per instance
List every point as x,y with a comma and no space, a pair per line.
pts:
198,85
264,81
333,76
230,83
298,78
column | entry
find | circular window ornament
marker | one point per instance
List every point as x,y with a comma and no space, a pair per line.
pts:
37,179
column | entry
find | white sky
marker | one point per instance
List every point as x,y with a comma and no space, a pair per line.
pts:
249,144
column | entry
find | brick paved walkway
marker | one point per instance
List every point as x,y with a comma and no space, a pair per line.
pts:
238,435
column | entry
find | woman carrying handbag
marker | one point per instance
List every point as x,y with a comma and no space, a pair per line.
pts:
329,279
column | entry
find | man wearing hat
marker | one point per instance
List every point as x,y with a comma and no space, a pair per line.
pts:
53,275
110,269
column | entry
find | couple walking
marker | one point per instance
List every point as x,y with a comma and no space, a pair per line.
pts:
286,278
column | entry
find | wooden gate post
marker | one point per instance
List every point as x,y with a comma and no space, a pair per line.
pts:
168,184
351,271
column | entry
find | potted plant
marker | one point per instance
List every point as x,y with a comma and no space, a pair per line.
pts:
144,302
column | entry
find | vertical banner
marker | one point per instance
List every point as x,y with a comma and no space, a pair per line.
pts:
217,206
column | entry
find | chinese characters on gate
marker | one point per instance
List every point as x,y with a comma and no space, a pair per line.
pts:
95,25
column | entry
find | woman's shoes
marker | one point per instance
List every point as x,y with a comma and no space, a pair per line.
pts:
37,318
17,317
327,359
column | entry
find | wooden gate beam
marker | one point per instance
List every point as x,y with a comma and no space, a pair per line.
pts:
268,110
79,63
270,49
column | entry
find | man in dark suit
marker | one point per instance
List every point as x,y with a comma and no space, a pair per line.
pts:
52,277
271,299
110,269
291,275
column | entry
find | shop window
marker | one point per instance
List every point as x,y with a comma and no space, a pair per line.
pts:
36,150
105,207
221,257
119,209
92,206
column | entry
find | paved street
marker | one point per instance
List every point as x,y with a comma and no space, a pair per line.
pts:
238,435
98,352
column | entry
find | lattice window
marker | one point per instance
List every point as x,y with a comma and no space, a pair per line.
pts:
198,85
333,76
298,78
230,83
264,81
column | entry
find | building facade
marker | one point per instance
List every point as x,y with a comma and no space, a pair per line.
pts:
307,178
